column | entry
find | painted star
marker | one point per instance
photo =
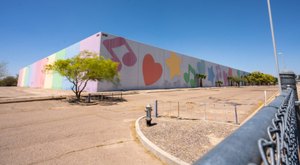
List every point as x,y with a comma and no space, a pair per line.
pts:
173,63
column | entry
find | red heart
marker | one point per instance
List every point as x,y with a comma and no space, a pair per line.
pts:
152,71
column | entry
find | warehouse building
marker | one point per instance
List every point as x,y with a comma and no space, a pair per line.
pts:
140,67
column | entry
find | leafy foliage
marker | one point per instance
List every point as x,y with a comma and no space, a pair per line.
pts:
254,78
9,81
3,69
219,83
84,67
201,77
258,78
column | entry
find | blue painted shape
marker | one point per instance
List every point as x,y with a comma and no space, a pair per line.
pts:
201,67
71,51
211,75
29,76
26,76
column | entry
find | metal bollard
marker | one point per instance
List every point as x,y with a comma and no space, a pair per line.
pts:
88,99
148,115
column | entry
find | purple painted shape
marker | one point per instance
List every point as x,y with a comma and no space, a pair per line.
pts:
129,58
92,44
41,72
37,70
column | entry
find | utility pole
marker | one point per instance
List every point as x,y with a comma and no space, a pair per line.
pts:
274,44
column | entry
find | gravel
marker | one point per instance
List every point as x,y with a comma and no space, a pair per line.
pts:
186,139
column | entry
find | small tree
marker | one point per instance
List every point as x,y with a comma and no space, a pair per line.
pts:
237,80
84,67
9,81
3,69
230,80
200,77
219,83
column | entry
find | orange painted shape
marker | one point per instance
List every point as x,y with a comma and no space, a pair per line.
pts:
151,70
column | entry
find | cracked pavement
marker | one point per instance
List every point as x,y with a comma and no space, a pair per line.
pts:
55,132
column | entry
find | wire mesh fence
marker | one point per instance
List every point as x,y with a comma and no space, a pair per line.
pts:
221,112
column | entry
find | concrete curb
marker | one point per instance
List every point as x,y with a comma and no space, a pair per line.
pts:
161,154
270,99
30,99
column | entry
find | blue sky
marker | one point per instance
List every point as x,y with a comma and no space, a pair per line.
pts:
234,33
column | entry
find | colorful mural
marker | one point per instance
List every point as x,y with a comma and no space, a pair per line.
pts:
153,67
35,76
140,67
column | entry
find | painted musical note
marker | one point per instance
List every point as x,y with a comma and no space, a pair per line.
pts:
129,58
188,78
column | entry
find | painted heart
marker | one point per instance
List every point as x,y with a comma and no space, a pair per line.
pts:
151,71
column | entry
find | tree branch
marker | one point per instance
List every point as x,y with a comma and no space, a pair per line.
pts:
85,83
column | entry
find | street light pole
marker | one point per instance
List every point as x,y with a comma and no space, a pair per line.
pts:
274,45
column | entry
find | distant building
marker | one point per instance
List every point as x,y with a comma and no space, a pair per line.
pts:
140,67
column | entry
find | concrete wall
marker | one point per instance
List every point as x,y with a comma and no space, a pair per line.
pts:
146,67
140,67
34,75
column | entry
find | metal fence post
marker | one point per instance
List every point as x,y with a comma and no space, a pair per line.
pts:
178,110
265,93
235,113
226,120
204,111
289,78
155,109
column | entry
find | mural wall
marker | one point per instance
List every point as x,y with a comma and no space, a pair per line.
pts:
35,76
140,67
145,67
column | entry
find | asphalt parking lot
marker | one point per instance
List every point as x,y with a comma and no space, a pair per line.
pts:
55,132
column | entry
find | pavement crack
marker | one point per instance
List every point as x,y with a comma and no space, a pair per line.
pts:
45,122
79,150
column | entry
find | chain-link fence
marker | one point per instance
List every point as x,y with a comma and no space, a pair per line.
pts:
220,112
282,145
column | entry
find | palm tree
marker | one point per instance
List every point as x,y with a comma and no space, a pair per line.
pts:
219,83
230,80
201,77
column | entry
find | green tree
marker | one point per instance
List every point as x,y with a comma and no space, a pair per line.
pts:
244,80
9,81
3,70
200,77
84,67
237,80
219,83
230,80
258,78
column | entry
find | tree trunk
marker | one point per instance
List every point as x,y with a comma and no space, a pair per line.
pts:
201,83
77,96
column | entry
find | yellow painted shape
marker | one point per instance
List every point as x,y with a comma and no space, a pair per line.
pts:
49,74
173,63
